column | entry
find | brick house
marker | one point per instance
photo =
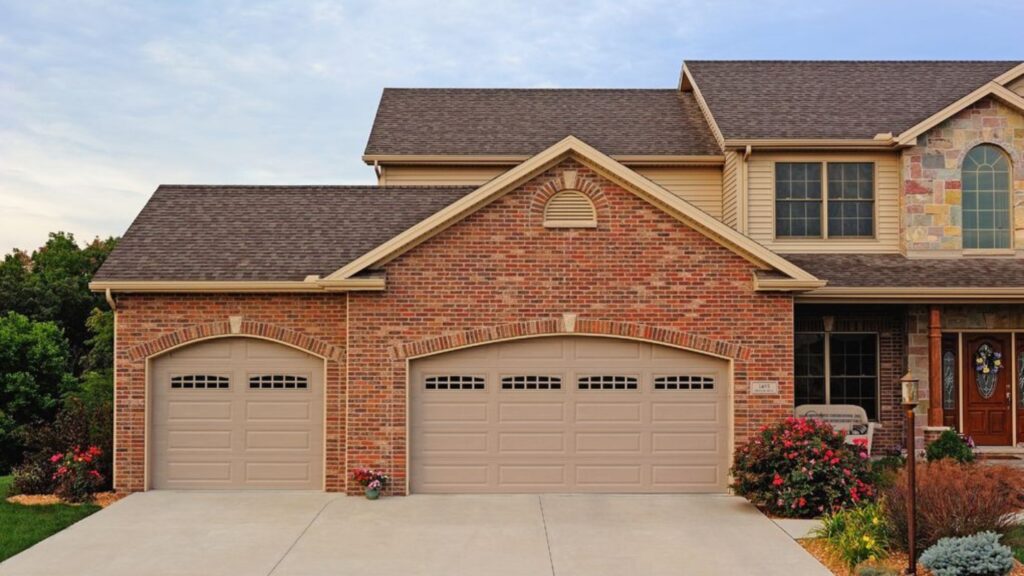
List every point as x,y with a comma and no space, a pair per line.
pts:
586,290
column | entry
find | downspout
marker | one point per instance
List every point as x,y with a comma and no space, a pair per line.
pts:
110,300
742,216
378,171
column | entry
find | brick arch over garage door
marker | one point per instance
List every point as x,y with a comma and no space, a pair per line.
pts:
569,413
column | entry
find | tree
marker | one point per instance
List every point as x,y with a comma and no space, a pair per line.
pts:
52,284
35,362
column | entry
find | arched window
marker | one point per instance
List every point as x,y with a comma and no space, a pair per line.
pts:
986,198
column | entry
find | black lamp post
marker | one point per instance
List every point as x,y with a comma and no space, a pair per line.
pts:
909,389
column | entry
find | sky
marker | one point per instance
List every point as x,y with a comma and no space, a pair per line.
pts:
102,101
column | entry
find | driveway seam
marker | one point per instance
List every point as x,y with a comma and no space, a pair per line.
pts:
299,537
547,540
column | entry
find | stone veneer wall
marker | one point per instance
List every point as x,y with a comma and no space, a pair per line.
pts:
931,174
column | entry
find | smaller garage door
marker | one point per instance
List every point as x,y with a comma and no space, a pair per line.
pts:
237,413
569,414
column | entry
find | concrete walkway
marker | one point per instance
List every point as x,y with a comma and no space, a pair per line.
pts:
306,534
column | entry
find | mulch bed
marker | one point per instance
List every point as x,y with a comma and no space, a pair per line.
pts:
101,499
895,561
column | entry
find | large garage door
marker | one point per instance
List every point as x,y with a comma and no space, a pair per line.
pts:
237,413
569,414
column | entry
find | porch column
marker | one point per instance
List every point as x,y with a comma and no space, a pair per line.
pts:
934,366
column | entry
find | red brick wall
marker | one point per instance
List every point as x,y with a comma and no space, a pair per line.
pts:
500,266
641,272
149,324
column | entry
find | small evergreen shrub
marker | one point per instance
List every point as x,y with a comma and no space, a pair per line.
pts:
951,445
856,534
977,555
955,500
801,468
884,470
33,477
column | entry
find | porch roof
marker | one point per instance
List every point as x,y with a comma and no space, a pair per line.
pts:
898,271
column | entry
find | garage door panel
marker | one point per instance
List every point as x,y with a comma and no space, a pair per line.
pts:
608,443
610,412
199,410
685,442
238,434
278,411
532,475
527,443
436,412
534,412
454,442
688,413
604,428
199,440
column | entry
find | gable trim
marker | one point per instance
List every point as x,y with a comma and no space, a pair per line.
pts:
500,185
993,88
688,84
1010,75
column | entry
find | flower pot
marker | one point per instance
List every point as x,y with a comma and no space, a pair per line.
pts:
372,494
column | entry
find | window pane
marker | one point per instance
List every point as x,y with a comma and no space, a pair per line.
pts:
798,199
985,177
851,199
853,377
809,369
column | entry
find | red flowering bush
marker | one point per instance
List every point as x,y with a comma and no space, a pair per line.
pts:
77,478
801,468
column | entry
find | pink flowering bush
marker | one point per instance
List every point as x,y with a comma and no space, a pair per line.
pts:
802,468
76,476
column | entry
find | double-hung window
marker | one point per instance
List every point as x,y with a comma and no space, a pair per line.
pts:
837,368
839,205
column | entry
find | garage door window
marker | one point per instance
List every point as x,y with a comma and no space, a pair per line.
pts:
199,381
531,383
454,382
278,382
681,382
607,382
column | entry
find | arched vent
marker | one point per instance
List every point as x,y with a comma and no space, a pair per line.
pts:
570,209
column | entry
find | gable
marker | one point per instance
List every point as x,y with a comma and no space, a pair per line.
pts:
795,278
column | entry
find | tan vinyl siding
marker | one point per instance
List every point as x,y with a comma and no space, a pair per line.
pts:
698,185
761,198
398,175
731,189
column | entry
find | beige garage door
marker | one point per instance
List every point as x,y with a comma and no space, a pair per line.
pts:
569,414
237,413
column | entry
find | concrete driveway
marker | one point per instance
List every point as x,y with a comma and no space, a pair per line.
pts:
293,534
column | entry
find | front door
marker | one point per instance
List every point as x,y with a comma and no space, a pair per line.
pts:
986,383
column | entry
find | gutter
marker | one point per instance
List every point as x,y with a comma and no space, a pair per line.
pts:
311,284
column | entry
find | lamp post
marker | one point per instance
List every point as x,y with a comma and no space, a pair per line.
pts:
910,401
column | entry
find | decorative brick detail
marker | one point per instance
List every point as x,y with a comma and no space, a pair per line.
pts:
581,327
263,330
931,174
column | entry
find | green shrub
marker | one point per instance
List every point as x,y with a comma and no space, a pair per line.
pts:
885,469
951,445
801,468
76,477
33,477
856,534
955,500
977,555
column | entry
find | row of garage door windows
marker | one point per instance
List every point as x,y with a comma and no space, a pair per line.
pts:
547,382
456,382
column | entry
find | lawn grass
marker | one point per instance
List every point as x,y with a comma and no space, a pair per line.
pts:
22,526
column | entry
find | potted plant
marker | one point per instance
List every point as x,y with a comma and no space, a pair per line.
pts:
372,481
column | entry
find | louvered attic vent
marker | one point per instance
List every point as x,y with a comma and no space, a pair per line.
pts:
570,209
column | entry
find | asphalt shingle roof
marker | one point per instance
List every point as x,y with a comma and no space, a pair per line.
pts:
524,122
898,271
221,233
833,99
